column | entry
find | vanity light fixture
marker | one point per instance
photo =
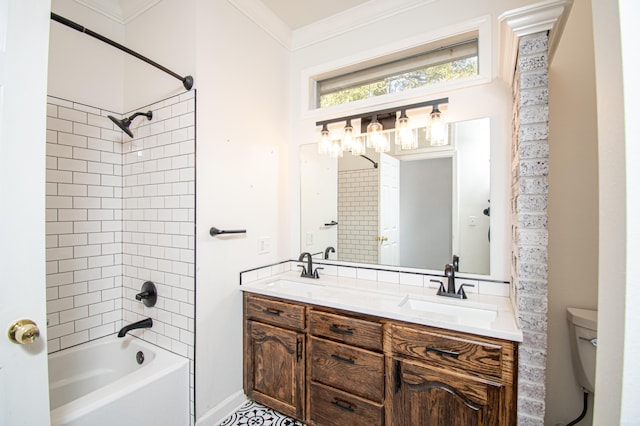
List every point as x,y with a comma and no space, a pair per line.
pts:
375,136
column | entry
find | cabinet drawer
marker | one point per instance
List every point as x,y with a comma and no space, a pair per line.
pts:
449,351
342,328
331,406
274,312
351,369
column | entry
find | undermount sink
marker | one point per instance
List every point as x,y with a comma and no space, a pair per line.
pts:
294,285
464,312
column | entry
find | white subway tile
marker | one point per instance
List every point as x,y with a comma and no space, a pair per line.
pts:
101,331
59,253
73,314
59,330
85,130
70,215
74,339
72,240
59,125
71,164
100,144
101,284
86,154
86,202
72,189
59,279
87,275
57,150
102,307
102,168
88,322
86,178
59,176
70,265
51,215
99,191
86,299
86,227
51,293
72,140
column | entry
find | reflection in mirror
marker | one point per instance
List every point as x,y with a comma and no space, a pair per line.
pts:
415,209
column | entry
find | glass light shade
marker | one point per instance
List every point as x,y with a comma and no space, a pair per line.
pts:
347,137
437,129
373,130
381,143
324,144
358,146
404,134
335,149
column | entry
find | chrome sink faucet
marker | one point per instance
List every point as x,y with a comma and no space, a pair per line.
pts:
308,271
449,272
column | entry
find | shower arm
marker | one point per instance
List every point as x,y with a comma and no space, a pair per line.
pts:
187,81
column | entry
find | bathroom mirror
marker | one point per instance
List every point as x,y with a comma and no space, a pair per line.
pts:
414,208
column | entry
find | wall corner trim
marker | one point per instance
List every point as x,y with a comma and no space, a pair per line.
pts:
550,15
264,18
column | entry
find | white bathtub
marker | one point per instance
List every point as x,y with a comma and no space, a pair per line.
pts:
101,383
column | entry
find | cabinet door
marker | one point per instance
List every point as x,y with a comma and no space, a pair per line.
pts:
424,396
274,368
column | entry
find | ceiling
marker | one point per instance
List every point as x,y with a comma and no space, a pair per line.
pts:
299,13
294,13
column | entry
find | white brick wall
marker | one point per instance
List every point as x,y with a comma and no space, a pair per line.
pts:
530,167
121,211
358,215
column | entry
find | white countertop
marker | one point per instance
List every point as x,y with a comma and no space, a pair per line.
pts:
485,315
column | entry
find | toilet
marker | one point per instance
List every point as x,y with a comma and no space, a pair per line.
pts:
583,325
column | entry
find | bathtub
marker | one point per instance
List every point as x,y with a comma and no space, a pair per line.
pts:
101,383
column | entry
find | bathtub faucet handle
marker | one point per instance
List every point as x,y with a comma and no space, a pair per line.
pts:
148,294
143,295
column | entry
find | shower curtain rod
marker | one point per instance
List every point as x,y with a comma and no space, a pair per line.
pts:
187,81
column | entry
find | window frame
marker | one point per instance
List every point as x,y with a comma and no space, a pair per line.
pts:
312,75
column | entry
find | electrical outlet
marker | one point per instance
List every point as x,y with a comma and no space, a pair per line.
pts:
264,245
309,238
473,221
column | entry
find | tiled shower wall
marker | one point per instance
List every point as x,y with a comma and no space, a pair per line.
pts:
358,215
118,214
84,224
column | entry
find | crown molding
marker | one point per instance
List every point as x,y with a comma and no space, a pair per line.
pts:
351,19
550,15
115,11
263,17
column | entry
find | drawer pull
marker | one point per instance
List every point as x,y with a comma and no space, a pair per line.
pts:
272,311
340,330
453,354
343,359
342,404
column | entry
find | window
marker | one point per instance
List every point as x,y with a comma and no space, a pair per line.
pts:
451,59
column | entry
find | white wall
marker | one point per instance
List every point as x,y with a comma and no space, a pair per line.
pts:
615,29
573,205
242,160
81,67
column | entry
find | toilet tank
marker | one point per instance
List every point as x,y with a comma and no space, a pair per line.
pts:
583,325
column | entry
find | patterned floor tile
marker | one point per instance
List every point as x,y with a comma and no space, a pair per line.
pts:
254,414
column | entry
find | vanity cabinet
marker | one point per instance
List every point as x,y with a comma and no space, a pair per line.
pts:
326,367
440,377
274,354
346,370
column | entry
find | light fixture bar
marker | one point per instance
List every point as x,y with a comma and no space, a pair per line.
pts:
433,103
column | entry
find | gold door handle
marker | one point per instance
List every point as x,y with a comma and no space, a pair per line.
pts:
381,239
23,332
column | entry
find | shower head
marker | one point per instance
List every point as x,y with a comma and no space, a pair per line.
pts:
126,122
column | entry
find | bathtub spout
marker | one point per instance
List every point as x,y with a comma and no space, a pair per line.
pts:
145,323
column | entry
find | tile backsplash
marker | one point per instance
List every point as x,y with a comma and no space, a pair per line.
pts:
120,212
379,276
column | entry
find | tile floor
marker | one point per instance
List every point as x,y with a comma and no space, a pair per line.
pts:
254,414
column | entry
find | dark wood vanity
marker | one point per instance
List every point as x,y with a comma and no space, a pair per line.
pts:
325,366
